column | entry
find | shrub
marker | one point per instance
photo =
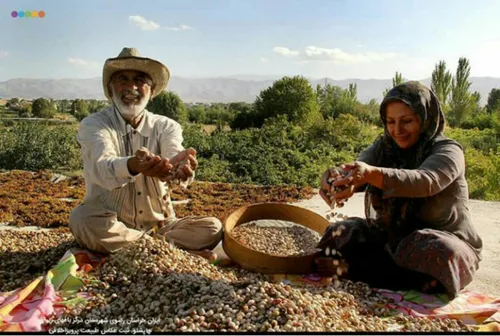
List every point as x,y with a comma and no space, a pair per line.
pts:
279,153
483,141
36,146
483,175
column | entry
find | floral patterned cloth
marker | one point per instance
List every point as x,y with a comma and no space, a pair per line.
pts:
480,311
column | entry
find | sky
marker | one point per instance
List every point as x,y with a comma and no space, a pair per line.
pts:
339,39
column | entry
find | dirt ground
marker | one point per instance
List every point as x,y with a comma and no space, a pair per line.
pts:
486,216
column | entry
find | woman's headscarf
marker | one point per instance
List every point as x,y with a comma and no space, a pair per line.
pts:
397,215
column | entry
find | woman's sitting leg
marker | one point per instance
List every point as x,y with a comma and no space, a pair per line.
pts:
372,264
363,250
440,255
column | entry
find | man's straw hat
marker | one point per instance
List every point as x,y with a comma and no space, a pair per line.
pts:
130,59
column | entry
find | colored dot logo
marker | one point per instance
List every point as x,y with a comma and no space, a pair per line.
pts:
27,14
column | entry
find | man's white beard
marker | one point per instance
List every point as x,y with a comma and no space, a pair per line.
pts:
129,112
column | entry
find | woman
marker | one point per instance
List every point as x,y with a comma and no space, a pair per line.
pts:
418,232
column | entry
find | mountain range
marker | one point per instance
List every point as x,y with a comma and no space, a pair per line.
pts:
207,90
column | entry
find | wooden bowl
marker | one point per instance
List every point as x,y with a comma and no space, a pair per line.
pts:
262,262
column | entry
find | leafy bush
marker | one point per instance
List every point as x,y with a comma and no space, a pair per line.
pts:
483,175
7,122
482,121
214,169
483,141
36,146
345,133
280,152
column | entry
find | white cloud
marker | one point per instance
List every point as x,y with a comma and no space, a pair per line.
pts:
285,51
142,23
264,59
81,62
336,55
180,27
3,53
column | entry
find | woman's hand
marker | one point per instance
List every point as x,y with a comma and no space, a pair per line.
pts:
330,192
325,186
360,174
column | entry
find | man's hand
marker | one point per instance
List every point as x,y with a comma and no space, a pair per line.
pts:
187,163
156,167
149,164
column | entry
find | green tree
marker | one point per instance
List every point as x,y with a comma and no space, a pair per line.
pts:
240,107
475,103
243,115
96,105
80,109
219,114
396,80
368,112
64,105
13,104
441,84
243,120
169,104
493,104
292,97
326,97
197,114
24,109
351,93
43,108
335,101
461,103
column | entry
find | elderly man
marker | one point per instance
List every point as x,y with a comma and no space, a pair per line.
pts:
126,194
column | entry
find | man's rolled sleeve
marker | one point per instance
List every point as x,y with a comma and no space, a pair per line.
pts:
121,168
106,168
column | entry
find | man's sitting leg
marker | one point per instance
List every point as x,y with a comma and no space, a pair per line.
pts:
195,234
99,230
